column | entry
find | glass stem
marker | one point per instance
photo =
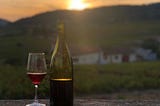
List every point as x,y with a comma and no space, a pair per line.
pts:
35,98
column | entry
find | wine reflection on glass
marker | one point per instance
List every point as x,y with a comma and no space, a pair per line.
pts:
36,71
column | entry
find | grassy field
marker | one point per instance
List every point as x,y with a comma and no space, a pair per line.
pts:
14,50
88,80
117,77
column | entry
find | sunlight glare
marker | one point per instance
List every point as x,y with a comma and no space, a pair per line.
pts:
78,5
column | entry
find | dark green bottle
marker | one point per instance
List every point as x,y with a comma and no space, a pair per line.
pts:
61,72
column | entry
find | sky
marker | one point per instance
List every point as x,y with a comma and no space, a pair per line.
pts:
13,10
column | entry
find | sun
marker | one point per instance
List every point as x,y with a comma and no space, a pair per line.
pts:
78,5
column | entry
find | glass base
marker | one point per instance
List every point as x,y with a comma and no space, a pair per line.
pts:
36,104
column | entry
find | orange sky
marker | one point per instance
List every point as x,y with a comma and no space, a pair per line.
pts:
16,9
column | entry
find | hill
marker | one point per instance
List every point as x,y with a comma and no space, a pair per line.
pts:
4,23
99,27
115,23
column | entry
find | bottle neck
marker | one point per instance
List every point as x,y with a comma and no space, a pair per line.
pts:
61,37
61,34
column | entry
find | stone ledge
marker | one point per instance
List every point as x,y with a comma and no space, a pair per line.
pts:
88,102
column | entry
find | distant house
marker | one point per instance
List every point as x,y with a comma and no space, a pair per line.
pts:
97,56
132,57
86,55
90,58
104,59
117,58
118,55
111,58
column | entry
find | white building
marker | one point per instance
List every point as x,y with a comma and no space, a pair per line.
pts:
90,58
101,57
132,57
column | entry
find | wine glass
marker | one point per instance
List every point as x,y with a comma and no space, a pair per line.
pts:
36,70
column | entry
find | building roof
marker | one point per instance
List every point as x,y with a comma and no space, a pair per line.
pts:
126,51
75,51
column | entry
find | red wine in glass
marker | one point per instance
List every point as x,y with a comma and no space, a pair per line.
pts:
36,77
36,71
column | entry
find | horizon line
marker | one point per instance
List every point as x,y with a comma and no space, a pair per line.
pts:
25,17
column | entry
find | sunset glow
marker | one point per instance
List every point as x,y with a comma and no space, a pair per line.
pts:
78,5
13,10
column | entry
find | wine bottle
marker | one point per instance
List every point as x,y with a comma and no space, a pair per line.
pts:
61,72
